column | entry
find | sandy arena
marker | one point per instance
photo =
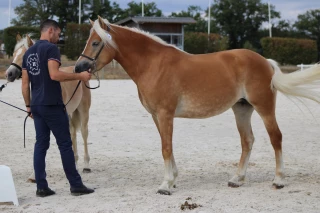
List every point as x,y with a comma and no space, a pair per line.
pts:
127,165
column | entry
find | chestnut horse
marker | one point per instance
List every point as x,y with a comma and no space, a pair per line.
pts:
78,107
172,83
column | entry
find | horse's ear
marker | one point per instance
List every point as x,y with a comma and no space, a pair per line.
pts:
30,42
102,23
91,22
18,37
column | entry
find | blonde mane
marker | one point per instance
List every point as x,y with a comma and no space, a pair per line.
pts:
103,34
21,43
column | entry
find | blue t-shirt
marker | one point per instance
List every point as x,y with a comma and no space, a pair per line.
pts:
44,90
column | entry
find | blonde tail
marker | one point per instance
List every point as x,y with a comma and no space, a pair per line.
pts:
301,83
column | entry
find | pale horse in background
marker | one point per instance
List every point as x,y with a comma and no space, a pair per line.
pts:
77,109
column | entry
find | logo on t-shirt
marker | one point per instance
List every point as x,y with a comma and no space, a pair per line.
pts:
33,64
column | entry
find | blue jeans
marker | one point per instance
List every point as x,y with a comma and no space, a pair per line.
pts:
53,118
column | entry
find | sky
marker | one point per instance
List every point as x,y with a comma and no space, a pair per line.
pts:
289,9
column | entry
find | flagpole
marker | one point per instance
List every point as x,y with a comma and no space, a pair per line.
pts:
9,13
79,11
209,14
270,32
142,8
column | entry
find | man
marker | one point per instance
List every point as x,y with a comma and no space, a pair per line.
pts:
40,68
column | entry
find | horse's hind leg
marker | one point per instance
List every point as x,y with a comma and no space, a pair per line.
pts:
269,119
243,111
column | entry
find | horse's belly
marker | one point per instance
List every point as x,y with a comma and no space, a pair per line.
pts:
197,108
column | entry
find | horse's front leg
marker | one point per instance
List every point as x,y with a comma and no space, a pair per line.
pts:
84,132
164,123
73,132
32,178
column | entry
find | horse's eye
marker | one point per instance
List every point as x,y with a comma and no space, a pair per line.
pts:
95,43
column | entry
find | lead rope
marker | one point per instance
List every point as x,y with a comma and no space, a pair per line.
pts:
25,121
29,113
98,79
3,86
73,93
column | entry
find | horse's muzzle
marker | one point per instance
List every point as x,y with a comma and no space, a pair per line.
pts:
12,74
83,66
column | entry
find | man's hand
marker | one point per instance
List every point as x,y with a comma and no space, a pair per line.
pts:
29,112
85,76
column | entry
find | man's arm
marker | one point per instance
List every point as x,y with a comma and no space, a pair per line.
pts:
57,75
25,88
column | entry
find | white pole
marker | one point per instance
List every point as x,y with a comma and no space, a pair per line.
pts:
79,11
9,13
270,32
142,8
209,17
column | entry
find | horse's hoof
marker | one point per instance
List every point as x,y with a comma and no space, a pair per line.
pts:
277,186
163,192
86,170
233,185
31,181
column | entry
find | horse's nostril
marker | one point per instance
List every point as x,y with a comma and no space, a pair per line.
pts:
10,74
76,69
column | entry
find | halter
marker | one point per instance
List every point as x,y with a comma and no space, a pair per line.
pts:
94,60
18,67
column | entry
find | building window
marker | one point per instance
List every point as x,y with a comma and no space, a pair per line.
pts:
166,38
177,40
172,39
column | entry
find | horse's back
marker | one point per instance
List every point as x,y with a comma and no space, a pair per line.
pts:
209,84
238,67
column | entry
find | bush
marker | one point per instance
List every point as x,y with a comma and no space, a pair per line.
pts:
75,39
290,50
10,33
249,46
198,43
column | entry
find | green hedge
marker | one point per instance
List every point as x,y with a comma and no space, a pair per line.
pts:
10,33
197,43
290,50
75,39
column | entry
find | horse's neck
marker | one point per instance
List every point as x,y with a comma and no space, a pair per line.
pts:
136,52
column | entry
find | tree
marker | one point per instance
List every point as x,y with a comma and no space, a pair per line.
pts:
68,11
309,25
33,12
196,13
283,29
135,9
240,20
112,13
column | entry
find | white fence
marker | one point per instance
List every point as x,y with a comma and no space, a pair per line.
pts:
303,66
